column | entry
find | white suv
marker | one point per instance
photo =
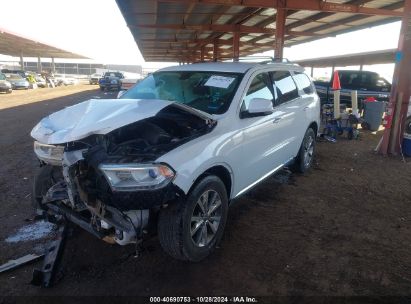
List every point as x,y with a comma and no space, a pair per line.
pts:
170,155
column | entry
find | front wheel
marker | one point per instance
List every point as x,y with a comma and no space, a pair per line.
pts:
191,230
45,178
304,159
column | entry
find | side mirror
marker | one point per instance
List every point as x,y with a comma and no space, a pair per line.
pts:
258,107
120,93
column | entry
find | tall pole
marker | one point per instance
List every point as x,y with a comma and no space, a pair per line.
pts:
280,29
53,66
236,46
401,89
215,50
39,68
22,61
202,53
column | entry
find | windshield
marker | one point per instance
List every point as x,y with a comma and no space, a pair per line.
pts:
2,77
112,74
210,92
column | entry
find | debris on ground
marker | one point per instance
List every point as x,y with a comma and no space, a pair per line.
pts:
35,231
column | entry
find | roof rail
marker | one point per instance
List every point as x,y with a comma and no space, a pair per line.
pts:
252,58
265,59
283,60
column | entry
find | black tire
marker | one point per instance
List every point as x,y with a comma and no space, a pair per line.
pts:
175,223
46,177
300,165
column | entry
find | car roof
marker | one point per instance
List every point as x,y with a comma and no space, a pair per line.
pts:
230,67
356,71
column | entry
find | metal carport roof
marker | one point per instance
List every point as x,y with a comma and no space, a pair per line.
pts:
366,58
193,30
15,45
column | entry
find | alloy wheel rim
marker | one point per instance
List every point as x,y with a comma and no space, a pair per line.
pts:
206,218
308,151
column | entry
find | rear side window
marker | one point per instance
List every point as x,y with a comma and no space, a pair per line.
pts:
357,79
259,88
284,86
303,83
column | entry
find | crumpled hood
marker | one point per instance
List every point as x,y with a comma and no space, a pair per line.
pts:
95,116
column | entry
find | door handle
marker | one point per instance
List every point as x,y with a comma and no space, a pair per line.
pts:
306,108
277,119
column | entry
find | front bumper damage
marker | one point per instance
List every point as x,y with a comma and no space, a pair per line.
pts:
125,220
105,152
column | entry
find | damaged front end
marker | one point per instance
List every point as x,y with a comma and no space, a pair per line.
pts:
110,184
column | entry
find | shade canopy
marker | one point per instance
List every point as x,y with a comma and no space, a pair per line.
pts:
187,30
16,45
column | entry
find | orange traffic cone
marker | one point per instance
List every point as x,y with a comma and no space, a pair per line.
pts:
336,81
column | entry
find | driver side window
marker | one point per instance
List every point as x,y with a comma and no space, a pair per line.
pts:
259,88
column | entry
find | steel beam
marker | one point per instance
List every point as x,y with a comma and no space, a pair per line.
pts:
215,50
222,28
236,46
280,29
400,92
227,28
22,61
308,5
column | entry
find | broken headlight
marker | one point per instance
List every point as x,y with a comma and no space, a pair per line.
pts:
50,154
131,177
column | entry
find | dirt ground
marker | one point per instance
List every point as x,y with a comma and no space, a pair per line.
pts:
343,229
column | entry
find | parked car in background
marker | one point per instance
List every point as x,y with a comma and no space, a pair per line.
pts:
174,151
40,81
368,84
22,73
127,83
17,81
61,79
111,80
94,78
5,86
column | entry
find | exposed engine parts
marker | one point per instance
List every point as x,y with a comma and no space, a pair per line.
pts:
121,217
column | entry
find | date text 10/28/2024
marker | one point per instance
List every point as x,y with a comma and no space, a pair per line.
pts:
203,300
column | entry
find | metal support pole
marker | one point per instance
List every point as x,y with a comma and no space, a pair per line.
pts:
215,50
354,102
400,91
236,46
337,113
202,53
332,70
22,61
39,68
312,71
280,29
361,67
53,66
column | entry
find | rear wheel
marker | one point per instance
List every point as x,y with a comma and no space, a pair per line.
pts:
305,156
192,229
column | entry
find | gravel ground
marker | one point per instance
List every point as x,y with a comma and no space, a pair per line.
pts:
343,229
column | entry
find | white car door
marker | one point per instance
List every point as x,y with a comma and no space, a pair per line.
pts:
264,137
308,105
288,101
